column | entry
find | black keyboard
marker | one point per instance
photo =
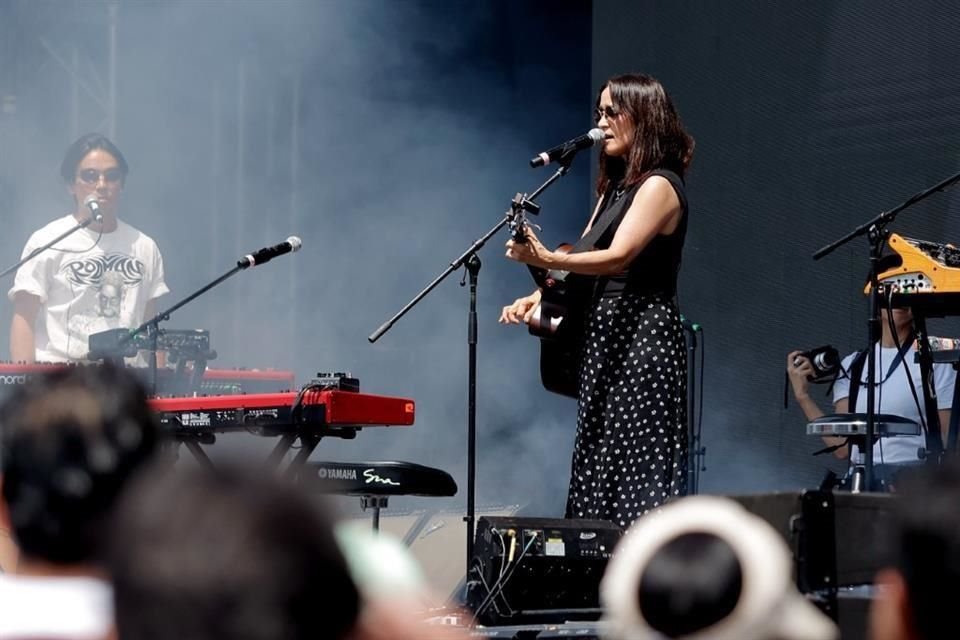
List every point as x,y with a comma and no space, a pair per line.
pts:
384,478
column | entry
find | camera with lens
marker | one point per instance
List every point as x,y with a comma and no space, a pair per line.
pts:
825,361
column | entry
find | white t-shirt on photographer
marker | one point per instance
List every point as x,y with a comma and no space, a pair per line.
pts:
893,397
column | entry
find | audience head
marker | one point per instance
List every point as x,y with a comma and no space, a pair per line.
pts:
704,567
70,441
917,595
226,555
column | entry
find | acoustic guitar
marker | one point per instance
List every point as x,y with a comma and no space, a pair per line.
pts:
559,321
560,318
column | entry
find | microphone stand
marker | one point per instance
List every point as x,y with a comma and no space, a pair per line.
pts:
696,452
152,326
521,203
33,254
877,233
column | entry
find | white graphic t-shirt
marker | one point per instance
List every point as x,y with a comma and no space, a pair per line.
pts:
86,286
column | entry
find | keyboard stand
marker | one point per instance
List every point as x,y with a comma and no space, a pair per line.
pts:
375,503
308,444
198,453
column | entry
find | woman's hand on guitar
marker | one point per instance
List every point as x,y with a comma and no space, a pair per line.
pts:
521,310
531,252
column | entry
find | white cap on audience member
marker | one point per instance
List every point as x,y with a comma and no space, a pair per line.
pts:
769,605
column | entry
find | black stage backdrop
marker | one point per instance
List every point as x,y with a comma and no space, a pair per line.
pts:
810,118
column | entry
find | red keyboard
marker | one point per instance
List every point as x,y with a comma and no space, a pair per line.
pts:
319,408
218,381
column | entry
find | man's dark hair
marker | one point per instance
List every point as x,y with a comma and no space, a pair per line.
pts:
927,546
690,583
226,555
84,145
70,441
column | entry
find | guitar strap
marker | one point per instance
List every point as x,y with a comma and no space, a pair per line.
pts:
600,227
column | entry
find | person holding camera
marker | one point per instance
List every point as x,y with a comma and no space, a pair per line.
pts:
896,371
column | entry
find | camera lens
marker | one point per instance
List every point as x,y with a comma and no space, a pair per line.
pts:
825,362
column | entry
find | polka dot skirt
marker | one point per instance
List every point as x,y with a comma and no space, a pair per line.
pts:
631,447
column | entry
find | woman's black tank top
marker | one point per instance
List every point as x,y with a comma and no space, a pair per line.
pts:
655,269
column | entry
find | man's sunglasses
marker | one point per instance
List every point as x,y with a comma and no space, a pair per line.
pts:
92,176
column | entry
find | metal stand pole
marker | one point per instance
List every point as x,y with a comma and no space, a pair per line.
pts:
473,270
693,444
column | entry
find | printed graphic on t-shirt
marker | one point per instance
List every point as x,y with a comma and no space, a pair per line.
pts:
91,270
105,280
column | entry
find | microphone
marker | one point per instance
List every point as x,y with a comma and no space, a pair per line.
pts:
90,202
592,137
292,244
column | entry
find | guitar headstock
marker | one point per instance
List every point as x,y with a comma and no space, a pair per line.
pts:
517,219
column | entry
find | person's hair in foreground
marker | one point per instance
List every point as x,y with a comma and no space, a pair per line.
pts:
919,593
71,439
227,555
705,568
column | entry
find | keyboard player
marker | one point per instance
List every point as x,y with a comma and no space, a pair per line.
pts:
105,276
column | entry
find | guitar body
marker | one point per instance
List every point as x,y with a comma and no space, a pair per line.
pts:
560,358
559,321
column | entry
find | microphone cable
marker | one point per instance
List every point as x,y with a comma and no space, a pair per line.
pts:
500,584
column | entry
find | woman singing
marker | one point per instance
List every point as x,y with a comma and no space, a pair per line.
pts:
631,447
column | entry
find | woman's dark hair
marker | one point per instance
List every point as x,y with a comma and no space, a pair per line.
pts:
689,584
71,440
84,145
660,141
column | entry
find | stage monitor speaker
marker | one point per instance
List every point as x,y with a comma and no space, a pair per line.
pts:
532,570
830,531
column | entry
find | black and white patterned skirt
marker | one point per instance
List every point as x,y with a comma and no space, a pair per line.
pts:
630,453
